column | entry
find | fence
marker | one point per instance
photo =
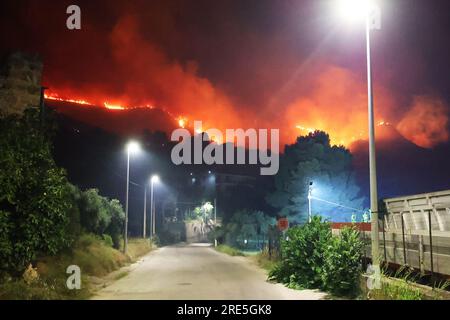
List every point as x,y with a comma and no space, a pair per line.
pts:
415,231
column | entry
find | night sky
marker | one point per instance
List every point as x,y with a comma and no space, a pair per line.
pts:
259,63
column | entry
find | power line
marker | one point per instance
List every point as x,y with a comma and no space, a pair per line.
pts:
336,204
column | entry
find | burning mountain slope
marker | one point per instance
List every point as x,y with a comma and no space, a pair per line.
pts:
126,122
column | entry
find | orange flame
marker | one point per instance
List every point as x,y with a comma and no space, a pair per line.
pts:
54,96
182,122
113,106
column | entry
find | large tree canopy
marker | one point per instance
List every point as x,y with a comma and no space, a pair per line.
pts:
313,159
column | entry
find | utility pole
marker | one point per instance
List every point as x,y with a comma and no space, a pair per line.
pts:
125,233
372,156
309,201
152,221
132,147
215,220
154,218
145,212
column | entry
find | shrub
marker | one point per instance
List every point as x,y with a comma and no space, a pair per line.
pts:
303,255
94,215
312,258
107,240
97,214
115,227
342,268
34,197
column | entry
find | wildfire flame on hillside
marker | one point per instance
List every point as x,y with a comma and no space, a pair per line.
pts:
182,121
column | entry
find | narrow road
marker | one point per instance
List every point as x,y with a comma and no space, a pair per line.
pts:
186,272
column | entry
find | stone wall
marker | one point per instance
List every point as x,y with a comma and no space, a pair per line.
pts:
20,82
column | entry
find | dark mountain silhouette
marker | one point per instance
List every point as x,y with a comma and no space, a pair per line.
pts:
125,122
402,167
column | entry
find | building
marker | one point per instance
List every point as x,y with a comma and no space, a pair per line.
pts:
20,83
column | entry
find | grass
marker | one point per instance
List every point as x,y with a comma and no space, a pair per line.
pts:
121,275
91,253
402,286
263,260
398,289
138,247
229,250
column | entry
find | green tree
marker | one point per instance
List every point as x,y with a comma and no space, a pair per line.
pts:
313,159
95,215
98,214
115,228
247,225
34,194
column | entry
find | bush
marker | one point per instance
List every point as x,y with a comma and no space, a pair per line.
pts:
107,240
94,212
34,194
116,225
312,258
97,214
303,255
342,267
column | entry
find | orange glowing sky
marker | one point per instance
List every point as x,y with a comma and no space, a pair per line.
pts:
284,65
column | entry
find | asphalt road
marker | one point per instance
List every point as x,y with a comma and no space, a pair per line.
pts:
186,272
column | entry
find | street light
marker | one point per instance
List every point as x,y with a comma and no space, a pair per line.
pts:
215,221
354,10
153,180
309,201
132,147
367,10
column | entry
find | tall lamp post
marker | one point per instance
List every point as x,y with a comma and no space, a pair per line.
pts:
144,224
215,220
132,147
309,201
357,9
153,179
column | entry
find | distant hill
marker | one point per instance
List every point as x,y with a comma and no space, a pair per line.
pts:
402,167
125,122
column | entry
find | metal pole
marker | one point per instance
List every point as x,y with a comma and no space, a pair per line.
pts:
145,212
125,235
309,202
384,244
372,157
403,238
152,221
154,216
430,234
215,220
